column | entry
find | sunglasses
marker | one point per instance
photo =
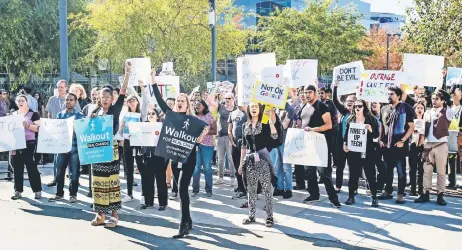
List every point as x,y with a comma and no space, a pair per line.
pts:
152,114
359,106
228,98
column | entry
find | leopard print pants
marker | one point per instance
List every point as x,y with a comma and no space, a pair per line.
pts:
254,173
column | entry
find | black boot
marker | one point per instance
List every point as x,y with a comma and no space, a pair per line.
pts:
185,228
440,201
350,201
287,194
375,201
278,192
423,198
413,191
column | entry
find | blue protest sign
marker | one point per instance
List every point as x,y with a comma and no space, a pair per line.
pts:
453,76
94,139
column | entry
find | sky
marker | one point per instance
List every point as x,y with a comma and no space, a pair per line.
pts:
390,6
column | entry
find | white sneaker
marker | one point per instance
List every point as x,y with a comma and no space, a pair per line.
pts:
232,183
127,198
173,196
220,181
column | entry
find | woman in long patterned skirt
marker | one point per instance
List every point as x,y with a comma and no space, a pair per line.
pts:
106,179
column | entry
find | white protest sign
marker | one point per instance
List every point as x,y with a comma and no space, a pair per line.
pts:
12,133
302,72
141,70
273,75
211,86
305,148
357,137
419,126
348,77
226,87
375,83
270,94
144,134
453,145
249,71
169,87
423,70
55,136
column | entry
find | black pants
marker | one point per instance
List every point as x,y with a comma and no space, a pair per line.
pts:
154,171
340,161
381,167
182,178
300,176
416,166
129,160
237,162
325,176
356,164
26,157
454,164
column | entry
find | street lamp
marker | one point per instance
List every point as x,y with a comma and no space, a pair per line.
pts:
388,49
212,25
63,43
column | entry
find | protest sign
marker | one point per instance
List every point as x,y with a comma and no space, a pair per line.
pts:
95,139
141,70
12,133
130,117
269,94
196,89
55,136
211,86
144,133
357,138
453,76
375,83
302,72
305,148
249,71
273,75
348,77
169,87
226,87
179,136
419,126
423,70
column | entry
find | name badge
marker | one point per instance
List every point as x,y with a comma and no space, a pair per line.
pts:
256,156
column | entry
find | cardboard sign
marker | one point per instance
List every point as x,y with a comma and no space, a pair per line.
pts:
178,136
145,133
419,126
169,87
130,117
55,136
269,94
141,70
273,75
357,138
453,76
305,148
95,139
248,72
302,72
423,70
348,77
375,83
12,133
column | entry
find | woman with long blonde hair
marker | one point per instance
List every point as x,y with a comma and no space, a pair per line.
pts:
182,173
79,91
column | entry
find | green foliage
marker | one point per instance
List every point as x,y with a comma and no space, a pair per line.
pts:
174,30
330,35
435,27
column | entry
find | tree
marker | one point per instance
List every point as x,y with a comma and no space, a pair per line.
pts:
377,41
435,27
175,30
330,35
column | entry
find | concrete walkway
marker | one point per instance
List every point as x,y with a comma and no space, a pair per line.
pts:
391,226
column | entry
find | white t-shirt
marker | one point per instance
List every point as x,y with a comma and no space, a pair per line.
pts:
306,114
431,116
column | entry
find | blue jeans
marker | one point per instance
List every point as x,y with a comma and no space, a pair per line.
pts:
203,158
283,170
62,161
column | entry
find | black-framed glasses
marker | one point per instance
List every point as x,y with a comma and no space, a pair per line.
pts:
152,113
359,106
228,98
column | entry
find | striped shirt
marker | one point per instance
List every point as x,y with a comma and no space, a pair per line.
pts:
78,115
